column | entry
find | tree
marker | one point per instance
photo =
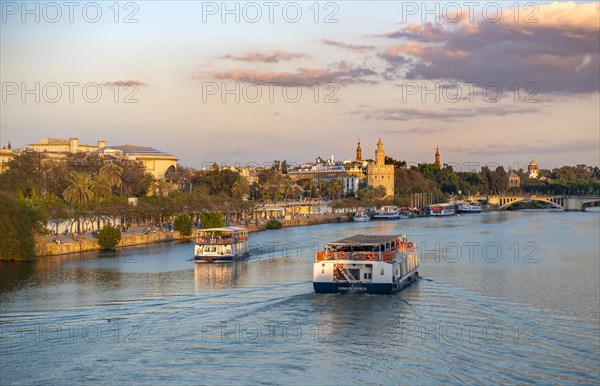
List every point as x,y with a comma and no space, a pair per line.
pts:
212,220
79,189
19,223
240,188
100,187
112,173
109,237
287,186
183,224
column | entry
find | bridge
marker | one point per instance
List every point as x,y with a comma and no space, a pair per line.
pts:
558,201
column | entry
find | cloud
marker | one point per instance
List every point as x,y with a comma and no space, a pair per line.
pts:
343,73
352,47
267,57
576,146
128,83
444,115
415,130
559,52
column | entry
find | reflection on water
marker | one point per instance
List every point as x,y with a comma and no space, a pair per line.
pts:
218,276
467,320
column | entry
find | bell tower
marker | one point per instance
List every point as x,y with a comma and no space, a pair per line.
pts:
379,154
437,157
358,152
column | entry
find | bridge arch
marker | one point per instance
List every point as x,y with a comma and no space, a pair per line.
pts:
588,203
506,203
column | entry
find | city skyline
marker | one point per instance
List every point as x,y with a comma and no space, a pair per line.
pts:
375,67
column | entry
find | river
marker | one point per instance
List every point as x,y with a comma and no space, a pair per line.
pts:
504,297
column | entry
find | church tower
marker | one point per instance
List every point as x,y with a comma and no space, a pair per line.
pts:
437,157
380,174
358,152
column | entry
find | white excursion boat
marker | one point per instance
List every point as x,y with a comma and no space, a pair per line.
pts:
441,210
366,264
469,208
221,244
386,213
361,216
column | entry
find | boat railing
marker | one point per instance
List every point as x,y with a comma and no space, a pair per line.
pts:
214,241
367,256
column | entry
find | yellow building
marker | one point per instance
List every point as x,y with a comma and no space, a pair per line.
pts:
380,174
59,148
6,155
156,162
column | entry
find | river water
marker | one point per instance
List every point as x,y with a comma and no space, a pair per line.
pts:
504,297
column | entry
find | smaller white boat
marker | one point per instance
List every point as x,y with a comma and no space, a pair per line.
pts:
469,208
361,217
221,244
441,210
386,213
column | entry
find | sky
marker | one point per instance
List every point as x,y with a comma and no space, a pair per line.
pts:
490,83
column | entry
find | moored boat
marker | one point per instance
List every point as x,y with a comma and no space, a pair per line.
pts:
386,213
366,264
469,208
441,210
221,244
361,217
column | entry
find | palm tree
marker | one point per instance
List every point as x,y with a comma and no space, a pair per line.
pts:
100,187
240,188
287,186
79,190
112,173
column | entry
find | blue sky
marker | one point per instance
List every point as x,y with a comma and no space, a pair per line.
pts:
372,63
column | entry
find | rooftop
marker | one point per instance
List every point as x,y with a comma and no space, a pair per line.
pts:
366,240
133,149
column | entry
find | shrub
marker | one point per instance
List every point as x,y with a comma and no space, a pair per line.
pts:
212,220
109,237
19,223
183,224
273,224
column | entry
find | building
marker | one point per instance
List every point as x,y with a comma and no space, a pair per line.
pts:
380,174
59,148
156,162
514,181
438,162
533,169
6,155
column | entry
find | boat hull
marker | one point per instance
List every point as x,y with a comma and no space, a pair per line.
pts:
361,219
369,288
219,259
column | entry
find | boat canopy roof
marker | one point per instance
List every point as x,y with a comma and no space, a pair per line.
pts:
223,229
365,240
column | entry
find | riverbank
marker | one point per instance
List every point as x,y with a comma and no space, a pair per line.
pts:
63,245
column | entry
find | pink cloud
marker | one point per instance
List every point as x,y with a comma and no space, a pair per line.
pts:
352,47
138,83
559,52
267,57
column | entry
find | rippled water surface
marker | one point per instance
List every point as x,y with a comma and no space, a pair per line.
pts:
503,298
